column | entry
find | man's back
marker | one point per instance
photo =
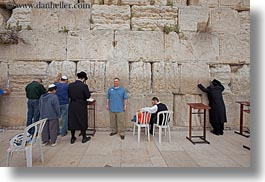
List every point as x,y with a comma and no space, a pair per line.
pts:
34,90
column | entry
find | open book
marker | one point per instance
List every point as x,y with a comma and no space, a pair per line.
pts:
90,99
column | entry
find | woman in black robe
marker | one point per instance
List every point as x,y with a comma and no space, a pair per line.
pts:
216,102
77,113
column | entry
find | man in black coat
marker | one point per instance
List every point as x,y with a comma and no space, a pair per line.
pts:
216,102
77,113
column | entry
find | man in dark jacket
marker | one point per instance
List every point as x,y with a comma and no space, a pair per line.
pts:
50,109
77,113
157,107
216,102
33,92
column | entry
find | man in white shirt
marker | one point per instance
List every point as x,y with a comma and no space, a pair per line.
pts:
157,107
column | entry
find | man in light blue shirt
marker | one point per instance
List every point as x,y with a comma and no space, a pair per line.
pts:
117,100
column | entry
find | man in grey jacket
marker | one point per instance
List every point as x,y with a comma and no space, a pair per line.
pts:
50,109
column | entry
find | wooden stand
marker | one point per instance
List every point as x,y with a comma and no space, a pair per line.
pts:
91,107
198,106
242,110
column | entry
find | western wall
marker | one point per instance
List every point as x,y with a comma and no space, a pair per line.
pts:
156,47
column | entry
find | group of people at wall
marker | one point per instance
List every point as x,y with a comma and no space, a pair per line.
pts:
70,102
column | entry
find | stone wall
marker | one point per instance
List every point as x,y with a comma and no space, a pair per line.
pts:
156,47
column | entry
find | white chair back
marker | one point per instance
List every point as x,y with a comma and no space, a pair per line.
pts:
164,118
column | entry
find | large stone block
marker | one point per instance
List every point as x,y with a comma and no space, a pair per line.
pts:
190,16
153,17
110,17
166,77
225,20
41,45
96,74
135,2
181,111
173,50
235,48
77,19
140,78
90,45
223,74
191,73
135,45
176,3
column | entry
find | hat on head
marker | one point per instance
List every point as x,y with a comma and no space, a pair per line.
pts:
64,78
82,74
52,87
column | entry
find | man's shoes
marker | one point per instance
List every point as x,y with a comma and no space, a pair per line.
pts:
221,132
73,139
44,144
151,132
122,137
53,144
214,132
113,133
85,139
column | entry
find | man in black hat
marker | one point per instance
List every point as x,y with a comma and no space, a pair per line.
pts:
77,112
216,102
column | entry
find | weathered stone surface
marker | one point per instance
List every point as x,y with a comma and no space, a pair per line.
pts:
110,17
49,20
96,74
74,19
117,68
166,77
176,3
23,72
240,83
134,45
244,22
4,16
41,45
65,67
195,46
90,45
208,3
135,2
153,17
223,74
140,78
181,110
3,75
225,20
20,17
190,16
236,4
191,73
235,48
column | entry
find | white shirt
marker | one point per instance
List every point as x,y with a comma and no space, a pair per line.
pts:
152,109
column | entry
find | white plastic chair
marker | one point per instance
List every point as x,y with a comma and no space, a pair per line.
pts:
166,117
142,122
24,142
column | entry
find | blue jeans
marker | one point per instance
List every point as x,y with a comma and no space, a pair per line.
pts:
33,111
64,114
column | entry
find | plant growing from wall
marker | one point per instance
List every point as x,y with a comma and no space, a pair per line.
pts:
64,30
9,35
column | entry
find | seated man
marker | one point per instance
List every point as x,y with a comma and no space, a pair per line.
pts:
157,107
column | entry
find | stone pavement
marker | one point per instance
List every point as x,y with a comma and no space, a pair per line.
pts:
110,151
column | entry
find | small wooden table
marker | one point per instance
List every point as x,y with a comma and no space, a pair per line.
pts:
91,107
243,104
198,106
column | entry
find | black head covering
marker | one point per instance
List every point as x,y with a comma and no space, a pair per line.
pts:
82,74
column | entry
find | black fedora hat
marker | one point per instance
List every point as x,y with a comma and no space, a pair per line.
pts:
82,74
